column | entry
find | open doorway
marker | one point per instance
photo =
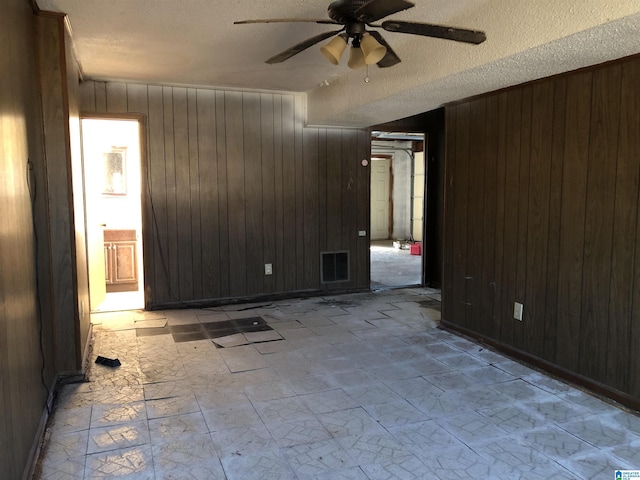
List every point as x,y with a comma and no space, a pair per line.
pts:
111,155
397,209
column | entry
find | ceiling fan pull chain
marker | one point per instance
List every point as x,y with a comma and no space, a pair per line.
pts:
366,75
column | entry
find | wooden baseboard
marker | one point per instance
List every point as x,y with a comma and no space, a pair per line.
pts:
597,388
38,439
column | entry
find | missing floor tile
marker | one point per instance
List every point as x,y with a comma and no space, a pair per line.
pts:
225,334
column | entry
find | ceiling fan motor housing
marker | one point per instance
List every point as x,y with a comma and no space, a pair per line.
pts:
343,11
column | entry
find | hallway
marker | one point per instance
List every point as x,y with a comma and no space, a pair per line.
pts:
362,386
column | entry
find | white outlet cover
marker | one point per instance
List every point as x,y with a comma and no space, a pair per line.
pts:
517,311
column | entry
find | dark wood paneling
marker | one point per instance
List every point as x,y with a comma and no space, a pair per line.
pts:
555,210
487,289
22,395
448,295
599,205
513,144
236,181
523,212
311,230
253,192
572,217
156,178
180,164
537,234
236,193
501,176
278,195
460,192
289,193
334,190
475,213
624,295
268,201
208,193
196,239
223,196
363,264
559,181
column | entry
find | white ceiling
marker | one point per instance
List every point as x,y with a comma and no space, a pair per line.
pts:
194,42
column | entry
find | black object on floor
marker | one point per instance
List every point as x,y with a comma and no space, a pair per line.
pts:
109,362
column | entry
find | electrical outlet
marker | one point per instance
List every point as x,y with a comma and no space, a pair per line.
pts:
362,233
268,269
517,311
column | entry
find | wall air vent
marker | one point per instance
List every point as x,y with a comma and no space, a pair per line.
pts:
334,267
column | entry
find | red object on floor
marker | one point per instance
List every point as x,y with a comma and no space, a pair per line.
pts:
415,248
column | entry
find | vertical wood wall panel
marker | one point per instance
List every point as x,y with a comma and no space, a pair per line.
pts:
235,181
559,179
538,216
555,208
237,206
624,299
511,195
196,237
601,174
224,265
487,289
448,297
460,191
475,212
253,193
184,211
207,182
572,218
171,251
269,227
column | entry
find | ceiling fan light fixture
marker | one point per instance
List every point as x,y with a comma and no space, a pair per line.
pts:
372,50
356,58
334,49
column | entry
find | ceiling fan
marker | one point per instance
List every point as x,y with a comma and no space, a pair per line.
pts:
367,46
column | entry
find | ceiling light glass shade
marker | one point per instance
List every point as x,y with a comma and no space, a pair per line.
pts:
333,50
372,50
356,58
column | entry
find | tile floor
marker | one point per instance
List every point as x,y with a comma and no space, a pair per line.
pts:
361,386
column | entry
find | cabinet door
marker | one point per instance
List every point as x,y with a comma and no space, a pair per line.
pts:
125,262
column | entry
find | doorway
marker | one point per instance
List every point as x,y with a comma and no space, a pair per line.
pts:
111,154
397,209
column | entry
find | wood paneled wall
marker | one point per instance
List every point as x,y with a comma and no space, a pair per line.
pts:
69,285
541,208
235,180
22,395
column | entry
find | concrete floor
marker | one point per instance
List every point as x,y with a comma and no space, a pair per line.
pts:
392,267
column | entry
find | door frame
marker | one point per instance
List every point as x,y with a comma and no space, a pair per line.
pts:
390,192
144,189
425,201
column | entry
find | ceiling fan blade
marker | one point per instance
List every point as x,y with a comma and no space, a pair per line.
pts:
287,20
374,10
290,52
390,59
437,31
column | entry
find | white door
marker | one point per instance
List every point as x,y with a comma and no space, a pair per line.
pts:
380,198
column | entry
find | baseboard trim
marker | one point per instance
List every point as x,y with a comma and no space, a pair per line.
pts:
553,369
269,297
38,439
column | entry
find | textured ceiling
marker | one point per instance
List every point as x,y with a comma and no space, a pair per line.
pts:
194,42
